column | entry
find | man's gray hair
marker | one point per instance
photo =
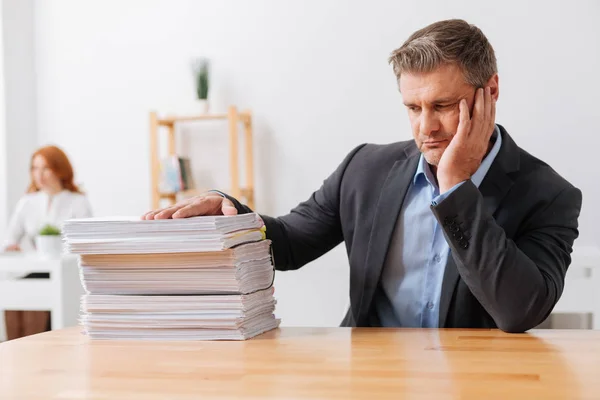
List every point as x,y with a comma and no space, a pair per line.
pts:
447,42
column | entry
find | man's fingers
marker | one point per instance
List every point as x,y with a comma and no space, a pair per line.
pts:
227,207
208,205
478,111
166,212
493,116
186,212
488,112
464,122
487,103
151,214
169,211
202,205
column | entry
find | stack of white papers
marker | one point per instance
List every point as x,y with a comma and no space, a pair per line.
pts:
202,278
243,269
131,235
231,317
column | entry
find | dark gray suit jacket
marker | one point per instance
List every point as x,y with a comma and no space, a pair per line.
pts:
510,240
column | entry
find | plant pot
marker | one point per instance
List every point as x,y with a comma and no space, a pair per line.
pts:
49,246
203,106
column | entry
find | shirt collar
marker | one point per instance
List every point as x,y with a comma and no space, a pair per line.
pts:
423,170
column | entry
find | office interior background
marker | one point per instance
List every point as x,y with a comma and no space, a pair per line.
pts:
85,75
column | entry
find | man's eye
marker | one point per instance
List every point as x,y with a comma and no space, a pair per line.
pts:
444,106
413,108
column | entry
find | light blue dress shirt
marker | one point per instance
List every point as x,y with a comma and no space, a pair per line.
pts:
411,280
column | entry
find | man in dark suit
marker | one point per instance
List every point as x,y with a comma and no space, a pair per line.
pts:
458,228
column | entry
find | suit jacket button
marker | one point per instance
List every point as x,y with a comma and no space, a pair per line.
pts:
464,244
448,220
458,236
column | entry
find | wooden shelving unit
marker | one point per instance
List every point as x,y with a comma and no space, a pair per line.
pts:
234,118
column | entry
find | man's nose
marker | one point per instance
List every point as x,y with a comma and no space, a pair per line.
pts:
429,123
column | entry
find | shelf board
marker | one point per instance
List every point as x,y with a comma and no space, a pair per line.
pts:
168,121
245,192
183,193
243,117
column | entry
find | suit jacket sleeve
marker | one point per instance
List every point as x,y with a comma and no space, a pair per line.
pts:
312,228
519,281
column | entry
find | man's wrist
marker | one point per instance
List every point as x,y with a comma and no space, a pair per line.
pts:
448,183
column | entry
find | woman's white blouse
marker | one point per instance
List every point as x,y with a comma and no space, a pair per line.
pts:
34,210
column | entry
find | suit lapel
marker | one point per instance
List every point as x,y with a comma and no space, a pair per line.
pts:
386,214
493,188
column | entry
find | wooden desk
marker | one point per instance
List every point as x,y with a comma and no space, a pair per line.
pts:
296,363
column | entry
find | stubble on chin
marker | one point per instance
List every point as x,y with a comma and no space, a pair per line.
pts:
433,157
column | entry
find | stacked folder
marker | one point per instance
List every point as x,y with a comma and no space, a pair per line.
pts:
203,278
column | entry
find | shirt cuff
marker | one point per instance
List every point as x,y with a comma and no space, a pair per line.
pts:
217,192
438,199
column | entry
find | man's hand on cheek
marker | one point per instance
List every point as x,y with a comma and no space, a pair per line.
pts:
468,147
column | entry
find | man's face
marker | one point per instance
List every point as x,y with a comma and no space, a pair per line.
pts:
432,100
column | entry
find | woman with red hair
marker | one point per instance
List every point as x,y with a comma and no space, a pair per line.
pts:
52,198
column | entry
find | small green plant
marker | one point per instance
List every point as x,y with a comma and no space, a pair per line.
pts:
49,230
201,75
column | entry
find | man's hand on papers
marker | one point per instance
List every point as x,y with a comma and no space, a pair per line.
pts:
211,203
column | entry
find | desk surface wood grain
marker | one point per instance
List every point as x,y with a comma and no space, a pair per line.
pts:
302,363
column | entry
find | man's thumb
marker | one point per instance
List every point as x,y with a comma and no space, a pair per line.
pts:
227,207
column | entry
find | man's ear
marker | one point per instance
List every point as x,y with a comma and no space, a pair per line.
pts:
493,84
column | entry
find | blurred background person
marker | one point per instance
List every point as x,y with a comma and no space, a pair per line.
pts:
52,198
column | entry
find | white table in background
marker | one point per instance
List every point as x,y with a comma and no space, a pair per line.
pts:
582,284
60,294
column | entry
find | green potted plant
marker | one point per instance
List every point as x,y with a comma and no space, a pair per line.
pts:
201,68
48,242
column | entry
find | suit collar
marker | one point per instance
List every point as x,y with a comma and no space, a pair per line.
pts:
409,151
508,159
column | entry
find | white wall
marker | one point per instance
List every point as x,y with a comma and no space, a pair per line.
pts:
315,75
3,161
18,113
20,94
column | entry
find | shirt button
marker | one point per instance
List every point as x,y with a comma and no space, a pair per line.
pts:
429,305
437,258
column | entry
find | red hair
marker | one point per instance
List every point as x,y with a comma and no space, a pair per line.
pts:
59,163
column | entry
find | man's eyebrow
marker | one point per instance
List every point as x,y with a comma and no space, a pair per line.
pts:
445,100
410,104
